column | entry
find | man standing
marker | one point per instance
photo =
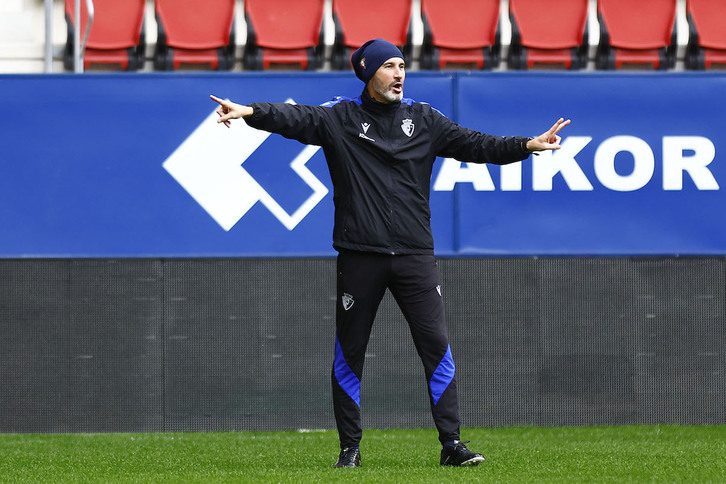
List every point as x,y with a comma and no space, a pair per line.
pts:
380,149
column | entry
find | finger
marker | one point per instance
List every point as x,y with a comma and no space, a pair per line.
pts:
218,100
559,125
554,127
554,139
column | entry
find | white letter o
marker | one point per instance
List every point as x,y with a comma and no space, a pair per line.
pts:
643,163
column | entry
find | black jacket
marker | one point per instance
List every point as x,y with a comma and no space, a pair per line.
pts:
380,158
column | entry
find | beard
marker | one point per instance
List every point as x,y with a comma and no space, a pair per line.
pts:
386,90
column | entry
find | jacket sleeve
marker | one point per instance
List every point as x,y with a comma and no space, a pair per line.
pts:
464,144
306,124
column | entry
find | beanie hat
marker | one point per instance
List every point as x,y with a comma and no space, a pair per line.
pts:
370,56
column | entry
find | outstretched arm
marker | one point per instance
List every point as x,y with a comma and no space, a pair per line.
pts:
301,122
549,140
228,110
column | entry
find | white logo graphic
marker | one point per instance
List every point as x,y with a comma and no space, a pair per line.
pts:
365,127
438,289
361,135
209,165
407,127
348,301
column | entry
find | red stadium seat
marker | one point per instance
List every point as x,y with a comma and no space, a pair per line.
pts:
707,35
284,32
552,35
357,22
116,35
636,33
197,32
460,33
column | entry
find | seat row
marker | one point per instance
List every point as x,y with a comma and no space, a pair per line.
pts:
456,33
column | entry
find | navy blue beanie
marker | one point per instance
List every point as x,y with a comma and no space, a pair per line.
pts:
370,56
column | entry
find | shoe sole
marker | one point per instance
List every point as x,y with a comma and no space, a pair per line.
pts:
338,465
474,461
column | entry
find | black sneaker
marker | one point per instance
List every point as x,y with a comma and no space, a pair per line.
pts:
459,455
349,457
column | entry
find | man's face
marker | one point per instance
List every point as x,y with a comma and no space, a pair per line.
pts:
386,85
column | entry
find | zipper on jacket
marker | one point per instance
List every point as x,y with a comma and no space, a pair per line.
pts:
391,192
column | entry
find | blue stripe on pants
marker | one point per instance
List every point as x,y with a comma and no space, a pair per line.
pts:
345,376
442,376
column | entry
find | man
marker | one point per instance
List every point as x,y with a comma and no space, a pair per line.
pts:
380,149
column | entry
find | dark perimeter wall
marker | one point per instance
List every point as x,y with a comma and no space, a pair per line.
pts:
246,344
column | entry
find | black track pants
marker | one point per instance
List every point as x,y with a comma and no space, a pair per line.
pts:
413,280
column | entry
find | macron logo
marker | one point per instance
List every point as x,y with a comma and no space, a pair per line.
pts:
365,127
209,165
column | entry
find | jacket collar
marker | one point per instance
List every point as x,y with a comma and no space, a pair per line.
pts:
373,105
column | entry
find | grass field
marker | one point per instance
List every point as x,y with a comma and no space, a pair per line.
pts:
585,454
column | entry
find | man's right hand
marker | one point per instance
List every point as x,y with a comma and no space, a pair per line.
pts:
228,110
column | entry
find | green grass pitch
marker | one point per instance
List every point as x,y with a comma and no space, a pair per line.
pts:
530,454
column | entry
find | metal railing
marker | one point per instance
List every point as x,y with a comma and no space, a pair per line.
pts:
79,45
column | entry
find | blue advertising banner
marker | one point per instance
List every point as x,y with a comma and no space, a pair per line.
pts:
641,169
111,165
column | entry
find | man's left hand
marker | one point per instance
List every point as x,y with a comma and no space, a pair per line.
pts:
549,140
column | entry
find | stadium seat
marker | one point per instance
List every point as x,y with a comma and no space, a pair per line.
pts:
553,36
116,36
707,36
357,22
284,32
460,33
195,32
636,34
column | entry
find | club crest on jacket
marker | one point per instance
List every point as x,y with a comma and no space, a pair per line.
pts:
407,127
